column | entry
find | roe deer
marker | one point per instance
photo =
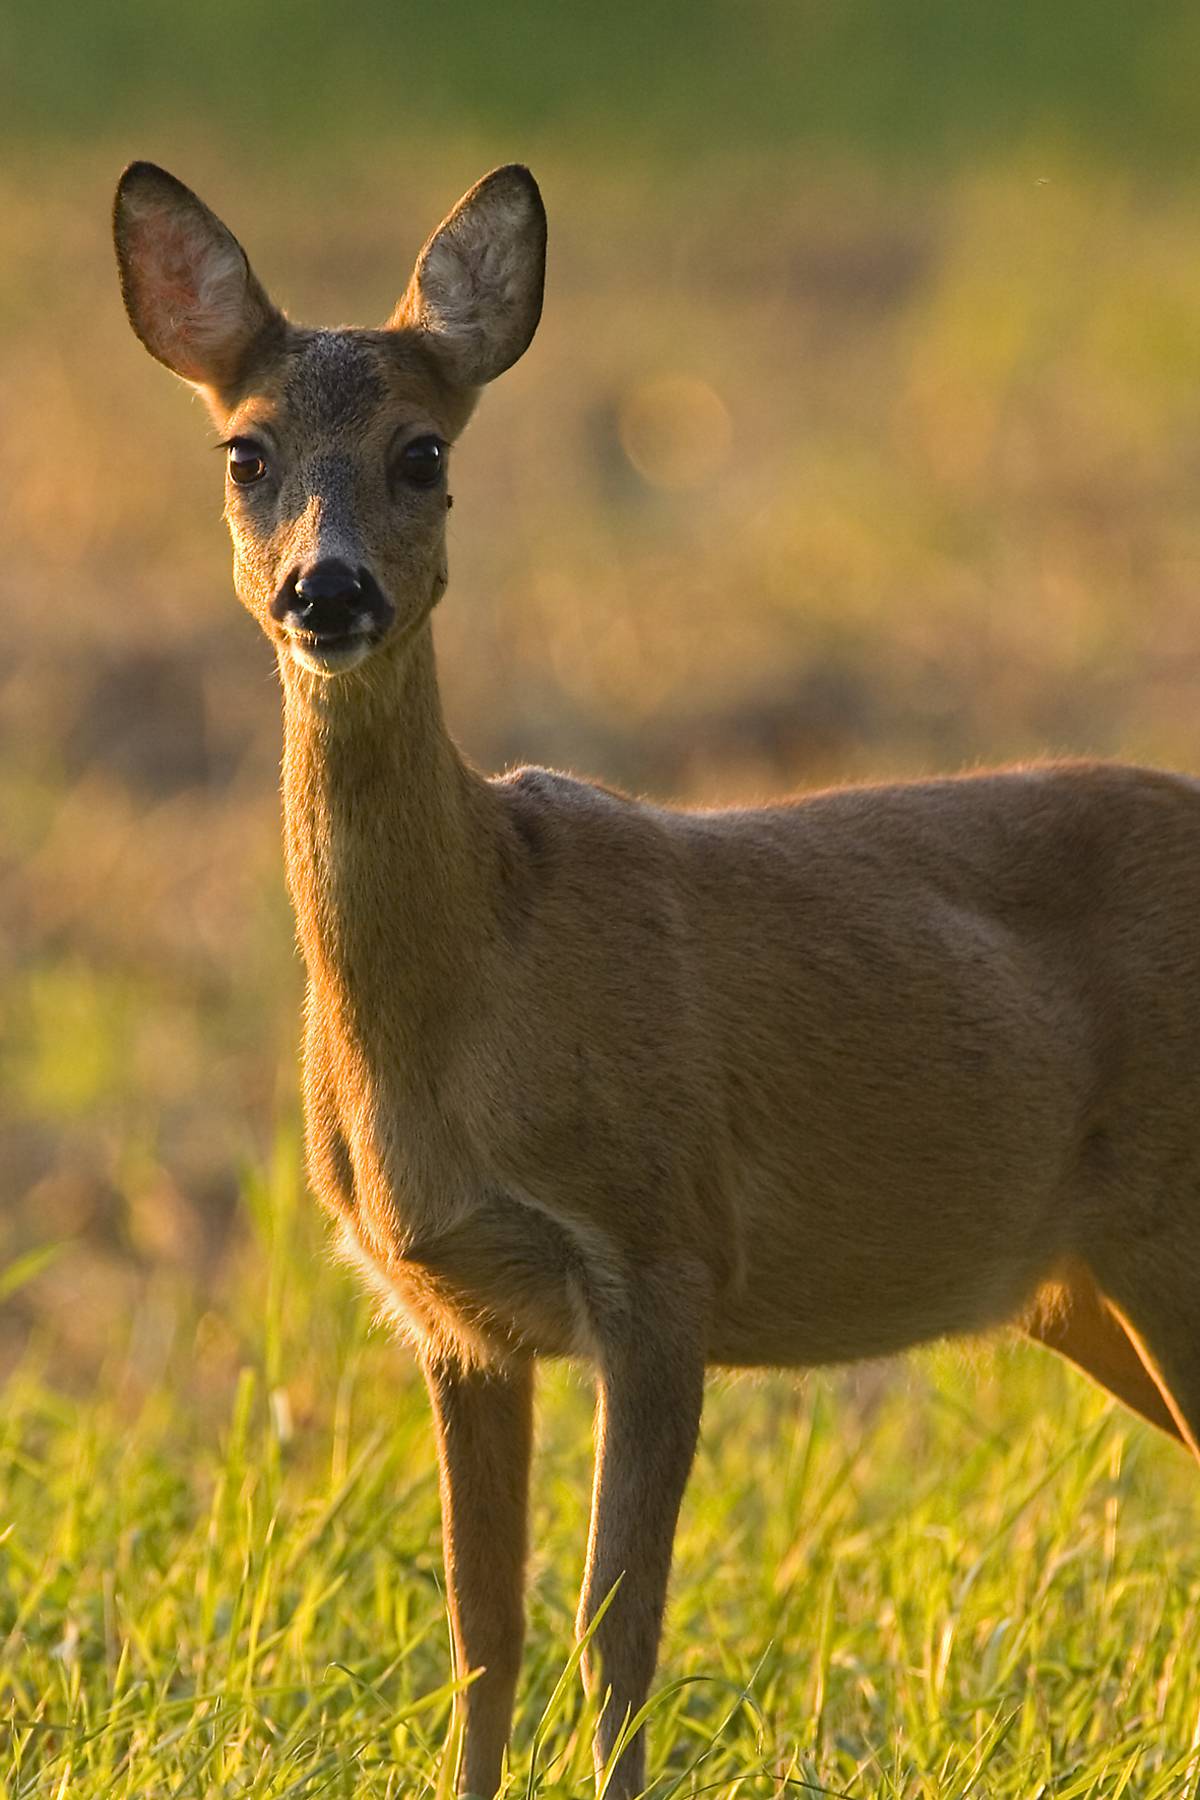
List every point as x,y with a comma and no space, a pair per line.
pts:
587,1077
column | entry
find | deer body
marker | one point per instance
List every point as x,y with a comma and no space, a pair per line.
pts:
830,1053
589,1077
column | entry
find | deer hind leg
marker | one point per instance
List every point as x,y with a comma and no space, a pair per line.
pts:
1156,1296
1082,1326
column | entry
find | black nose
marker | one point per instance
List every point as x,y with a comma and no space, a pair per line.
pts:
326,598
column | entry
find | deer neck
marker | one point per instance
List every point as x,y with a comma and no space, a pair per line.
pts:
390,842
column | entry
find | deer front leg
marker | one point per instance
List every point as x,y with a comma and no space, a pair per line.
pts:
649,1393
484,1422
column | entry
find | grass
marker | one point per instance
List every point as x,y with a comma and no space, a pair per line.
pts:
220,1571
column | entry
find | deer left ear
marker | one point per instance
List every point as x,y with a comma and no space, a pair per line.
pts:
476,292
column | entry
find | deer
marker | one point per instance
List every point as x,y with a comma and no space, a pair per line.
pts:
654,1089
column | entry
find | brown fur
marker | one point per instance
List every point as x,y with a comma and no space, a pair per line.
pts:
588,1077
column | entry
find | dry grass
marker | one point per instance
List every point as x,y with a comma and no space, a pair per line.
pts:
807,477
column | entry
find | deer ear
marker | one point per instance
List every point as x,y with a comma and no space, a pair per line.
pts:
476,291
190,293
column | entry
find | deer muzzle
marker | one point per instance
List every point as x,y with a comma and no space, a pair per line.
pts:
331,615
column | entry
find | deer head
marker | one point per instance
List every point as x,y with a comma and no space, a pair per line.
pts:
337,442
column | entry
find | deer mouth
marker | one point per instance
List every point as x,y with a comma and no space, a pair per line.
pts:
330,615
328,652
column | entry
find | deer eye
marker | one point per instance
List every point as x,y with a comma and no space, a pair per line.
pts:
246,463
422,461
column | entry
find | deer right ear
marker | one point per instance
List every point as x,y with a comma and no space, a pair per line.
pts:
190,293
476,292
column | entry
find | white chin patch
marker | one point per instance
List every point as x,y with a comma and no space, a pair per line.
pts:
329,662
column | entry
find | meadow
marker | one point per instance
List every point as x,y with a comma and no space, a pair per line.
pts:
861,438
220,1571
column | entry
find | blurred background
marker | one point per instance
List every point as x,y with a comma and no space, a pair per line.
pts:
861,438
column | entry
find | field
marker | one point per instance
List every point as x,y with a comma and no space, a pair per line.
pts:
221,1575
861,438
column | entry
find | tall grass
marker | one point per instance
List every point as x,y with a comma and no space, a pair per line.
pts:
220,1572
